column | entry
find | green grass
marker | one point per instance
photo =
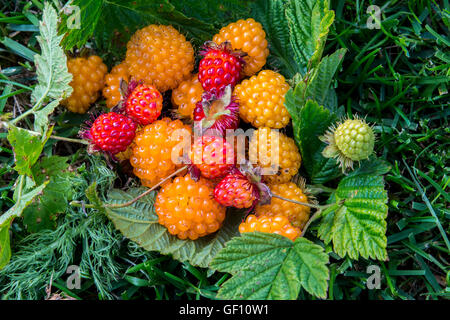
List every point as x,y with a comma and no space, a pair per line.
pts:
396,77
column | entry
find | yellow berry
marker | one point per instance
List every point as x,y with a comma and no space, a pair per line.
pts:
187,208
297,214
87,82
152,150
261,100
111,91
159,55
186,95
272,223
248,36
276,153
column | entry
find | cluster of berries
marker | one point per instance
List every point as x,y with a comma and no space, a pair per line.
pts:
228,86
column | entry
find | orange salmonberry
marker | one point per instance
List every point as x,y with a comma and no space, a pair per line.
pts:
87,82
159,55
297,214
152,150
187,208
278,224
248,36
270,149
111,91
261,100
186,95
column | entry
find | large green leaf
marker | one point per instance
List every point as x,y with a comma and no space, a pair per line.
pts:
51,69
310,122
139,223
309,23
103,18
270,266
271,14
42,213
357,226
27,148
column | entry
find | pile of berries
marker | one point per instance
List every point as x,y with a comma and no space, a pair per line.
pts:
190,156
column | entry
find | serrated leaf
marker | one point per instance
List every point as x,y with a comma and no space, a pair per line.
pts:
358,226
318,86
309,22
310,122
270,266
42,213
27,148
139,223
271,14
51,69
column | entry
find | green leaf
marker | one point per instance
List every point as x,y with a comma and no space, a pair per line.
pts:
103,18
24,199
139,223
318,85
42,213
51,69
5,248
270,266
357,226
27,148
310,122
271,14
309,22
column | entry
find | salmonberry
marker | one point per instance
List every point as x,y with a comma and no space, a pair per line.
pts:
111,91
236,190
217,112
278,224
187,208
87,82
275,153
154,149
159,55
351,141
297,214
186,96
261,100
213,156
248,36
111,132
144,104
219,67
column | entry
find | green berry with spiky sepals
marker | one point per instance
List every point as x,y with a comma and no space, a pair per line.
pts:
352,140
355,139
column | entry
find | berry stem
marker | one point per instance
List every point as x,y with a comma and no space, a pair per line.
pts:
317,214
6,125
126,204
298,202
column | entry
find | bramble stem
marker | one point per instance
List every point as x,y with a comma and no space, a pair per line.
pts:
5,125
298,202
126,204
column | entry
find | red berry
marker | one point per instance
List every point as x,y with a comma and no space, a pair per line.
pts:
217,111
212,156
144,104
219,67
236,190
112,132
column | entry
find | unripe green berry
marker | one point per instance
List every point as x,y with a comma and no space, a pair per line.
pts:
355,139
